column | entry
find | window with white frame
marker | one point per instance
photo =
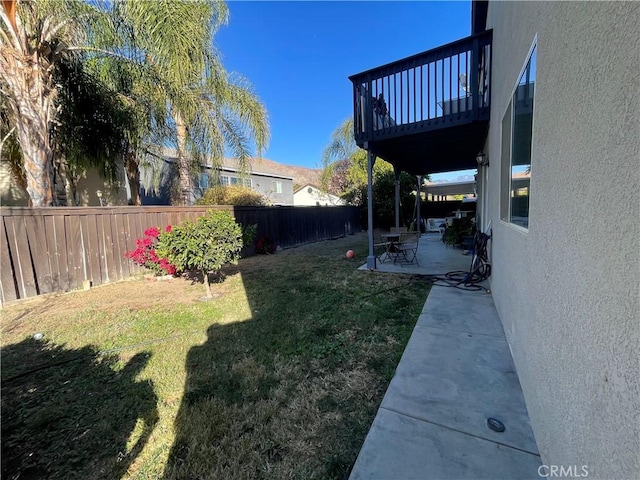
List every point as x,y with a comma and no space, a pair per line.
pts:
225,180
246,182
517,130
204,180
277,186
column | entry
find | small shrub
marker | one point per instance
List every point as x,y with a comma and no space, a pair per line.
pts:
146,254
249,234
204,246
236,195
459,228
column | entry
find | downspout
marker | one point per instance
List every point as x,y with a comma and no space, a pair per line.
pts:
371,159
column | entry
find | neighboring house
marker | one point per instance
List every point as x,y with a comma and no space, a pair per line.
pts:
308,195
275,186
264,179
11,193
157,178
552,103
91,189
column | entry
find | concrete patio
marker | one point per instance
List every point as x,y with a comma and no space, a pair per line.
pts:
455,372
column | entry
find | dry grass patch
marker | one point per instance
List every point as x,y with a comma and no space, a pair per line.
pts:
279,377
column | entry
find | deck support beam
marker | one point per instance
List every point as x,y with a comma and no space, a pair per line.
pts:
371,159
419,200
397,172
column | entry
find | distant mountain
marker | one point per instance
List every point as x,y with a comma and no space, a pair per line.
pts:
300,175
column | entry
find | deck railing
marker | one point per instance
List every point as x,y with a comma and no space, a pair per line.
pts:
446,86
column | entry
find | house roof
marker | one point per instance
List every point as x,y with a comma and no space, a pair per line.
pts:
231,165
261,166
322,196
306,185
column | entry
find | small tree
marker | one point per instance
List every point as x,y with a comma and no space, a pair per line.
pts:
204,246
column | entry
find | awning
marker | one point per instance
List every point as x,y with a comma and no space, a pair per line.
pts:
450,188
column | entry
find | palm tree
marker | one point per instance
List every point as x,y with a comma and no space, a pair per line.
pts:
208,109
34,37
344,170
88,110
169,47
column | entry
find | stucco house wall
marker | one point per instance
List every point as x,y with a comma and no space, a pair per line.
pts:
113,193
567,288
309,195
278,189
11,194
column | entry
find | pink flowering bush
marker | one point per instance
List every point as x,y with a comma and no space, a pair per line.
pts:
145,253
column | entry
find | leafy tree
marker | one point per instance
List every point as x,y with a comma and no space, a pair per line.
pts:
204,246
145,126
87,110
345,166
345,174
384,198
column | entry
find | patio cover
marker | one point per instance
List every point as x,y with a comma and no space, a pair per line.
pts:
449,188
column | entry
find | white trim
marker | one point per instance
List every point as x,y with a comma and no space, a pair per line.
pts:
524,66
501,194
515,227
527,62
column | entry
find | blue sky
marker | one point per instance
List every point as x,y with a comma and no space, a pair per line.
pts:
298,56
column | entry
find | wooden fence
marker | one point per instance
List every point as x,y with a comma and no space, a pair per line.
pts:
47,250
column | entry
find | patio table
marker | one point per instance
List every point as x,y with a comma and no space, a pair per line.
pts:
390,244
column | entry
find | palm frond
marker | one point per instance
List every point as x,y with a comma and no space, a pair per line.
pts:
342,144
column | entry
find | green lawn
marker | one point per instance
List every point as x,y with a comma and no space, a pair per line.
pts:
280,376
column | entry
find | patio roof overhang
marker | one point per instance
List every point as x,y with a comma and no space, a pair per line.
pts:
449,188
436,151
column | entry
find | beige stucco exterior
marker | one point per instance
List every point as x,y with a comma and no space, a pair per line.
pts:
11,193
567,288
310,195
113,193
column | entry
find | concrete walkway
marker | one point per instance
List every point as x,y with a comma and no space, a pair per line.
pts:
455,372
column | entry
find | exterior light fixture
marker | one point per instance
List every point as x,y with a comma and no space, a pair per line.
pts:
482,159
99,194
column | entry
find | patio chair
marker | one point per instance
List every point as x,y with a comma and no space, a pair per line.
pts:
381,247
435,225
408,247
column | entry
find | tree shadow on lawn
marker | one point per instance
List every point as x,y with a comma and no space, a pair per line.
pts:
70,413
290,392
243,417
